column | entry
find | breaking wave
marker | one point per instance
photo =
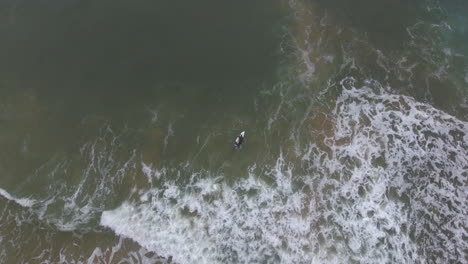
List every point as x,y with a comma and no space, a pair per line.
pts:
385,183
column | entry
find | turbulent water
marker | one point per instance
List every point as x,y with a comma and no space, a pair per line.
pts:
117,121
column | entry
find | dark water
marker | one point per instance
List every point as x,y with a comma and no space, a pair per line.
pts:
117,120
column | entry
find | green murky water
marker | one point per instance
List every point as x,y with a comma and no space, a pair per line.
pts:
117,120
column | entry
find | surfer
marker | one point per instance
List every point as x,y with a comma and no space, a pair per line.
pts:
239,140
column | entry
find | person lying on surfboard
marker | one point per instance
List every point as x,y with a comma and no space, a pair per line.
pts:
239,140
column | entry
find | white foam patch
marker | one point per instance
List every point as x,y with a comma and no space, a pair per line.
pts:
24,202
402,169
211,222
392,191
149,172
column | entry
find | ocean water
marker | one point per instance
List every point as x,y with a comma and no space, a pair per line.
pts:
117,120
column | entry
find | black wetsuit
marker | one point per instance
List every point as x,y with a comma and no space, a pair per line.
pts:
239,140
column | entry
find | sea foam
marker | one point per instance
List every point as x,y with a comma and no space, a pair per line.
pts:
391,189
24,202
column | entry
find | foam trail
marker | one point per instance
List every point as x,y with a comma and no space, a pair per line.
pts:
73,207
24,202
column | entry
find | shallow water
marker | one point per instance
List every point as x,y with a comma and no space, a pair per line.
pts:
117,120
